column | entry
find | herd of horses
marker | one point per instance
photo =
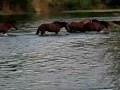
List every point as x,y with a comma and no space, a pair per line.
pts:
76,26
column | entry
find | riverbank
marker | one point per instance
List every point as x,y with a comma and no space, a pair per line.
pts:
92,11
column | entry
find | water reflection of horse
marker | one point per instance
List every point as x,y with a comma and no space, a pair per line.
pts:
52,27
4,27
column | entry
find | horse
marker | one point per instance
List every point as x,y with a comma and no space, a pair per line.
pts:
108,24
78,26
52,27
96,25
75,26
4,27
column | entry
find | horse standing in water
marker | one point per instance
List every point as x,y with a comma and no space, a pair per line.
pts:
96,25
78,26
52,27
4,27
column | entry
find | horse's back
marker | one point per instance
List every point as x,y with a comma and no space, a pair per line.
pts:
76,24
52,27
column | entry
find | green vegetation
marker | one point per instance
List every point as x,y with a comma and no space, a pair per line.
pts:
26,5
86,4
86,11
23,4
15,10
74,8
87,8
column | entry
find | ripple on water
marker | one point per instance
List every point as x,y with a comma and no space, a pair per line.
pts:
54,62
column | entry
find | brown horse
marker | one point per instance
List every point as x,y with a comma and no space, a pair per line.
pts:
4,27
96,25
52,27
78,26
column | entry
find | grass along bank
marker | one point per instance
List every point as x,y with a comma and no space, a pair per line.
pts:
90,11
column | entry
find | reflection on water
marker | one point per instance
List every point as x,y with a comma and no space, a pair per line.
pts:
79,61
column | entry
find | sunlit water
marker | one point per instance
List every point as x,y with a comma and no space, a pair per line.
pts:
78,61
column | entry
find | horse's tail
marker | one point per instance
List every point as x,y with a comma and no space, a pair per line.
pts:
38,30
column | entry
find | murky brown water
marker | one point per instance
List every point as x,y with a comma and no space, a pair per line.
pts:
78,61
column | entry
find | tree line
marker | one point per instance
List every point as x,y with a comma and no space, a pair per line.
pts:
26,5
23,4
86,4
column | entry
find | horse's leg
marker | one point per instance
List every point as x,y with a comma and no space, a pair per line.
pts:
38,30
56,32
71,30
5,33
43,32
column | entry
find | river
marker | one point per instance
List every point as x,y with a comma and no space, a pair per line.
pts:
67,61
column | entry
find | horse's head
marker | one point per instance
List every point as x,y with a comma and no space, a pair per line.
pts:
62,24
94,20
104,23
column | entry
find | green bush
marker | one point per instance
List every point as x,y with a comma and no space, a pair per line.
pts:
85,4
24,4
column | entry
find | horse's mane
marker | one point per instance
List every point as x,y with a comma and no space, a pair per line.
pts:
62,23
56,22
95,20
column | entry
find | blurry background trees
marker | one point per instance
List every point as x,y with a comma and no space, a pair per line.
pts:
45,6
15,6
88,4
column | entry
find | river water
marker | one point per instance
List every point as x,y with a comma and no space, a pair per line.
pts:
77,61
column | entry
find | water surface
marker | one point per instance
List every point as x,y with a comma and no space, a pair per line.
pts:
78,61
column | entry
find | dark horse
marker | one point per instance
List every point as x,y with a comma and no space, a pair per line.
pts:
52,27
4,27
96,25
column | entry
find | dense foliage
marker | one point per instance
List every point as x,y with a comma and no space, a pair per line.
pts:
87,4
24,4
